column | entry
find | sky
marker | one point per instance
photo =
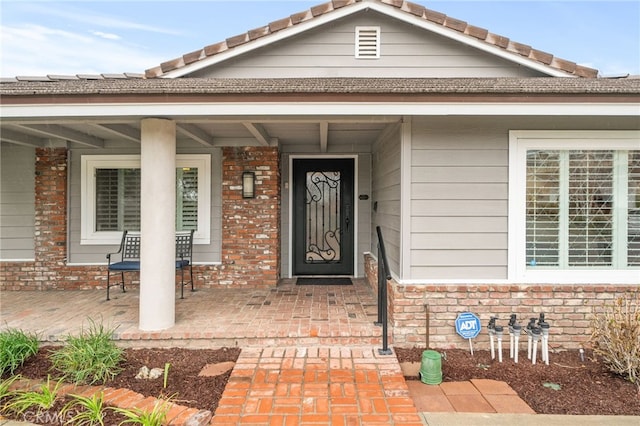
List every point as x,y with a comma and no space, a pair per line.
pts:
44,37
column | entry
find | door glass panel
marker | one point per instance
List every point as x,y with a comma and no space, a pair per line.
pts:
322,209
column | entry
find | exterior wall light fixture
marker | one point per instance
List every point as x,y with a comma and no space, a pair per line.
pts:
248,184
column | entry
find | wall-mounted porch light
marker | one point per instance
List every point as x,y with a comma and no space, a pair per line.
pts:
248,184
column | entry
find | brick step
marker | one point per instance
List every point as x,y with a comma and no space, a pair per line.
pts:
251,342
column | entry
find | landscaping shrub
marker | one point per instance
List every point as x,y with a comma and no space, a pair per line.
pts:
15,347
155,417
89,358
41,399
85,410
616,336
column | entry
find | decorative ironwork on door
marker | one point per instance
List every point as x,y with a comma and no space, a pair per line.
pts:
322,204
323,231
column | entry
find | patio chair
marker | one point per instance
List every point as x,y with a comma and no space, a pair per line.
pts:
129,259
129,252
184,252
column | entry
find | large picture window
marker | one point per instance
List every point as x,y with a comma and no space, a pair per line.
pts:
575,207
111,196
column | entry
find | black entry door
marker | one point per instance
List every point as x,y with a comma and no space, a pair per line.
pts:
323,211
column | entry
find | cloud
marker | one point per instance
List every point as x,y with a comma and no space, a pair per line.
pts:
40,50
108,36
91,18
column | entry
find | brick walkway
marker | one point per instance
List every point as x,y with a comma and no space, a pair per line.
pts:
316,386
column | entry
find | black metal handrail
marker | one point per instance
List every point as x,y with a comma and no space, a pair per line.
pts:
384,275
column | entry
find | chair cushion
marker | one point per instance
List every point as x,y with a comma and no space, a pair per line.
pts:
181,263
127,265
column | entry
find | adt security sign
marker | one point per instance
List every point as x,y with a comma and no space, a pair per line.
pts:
468,325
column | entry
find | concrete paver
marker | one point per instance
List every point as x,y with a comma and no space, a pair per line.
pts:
492,387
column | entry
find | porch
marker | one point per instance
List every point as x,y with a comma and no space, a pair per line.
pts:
287,315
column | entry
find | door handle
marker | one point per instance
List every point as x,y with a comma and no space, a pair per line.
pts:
347,215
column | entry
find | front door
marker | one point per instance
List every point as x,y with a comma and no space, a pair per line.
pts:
323,211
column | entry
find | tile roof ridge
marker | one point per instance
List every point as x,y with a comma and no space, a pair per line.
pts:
420,11
67,77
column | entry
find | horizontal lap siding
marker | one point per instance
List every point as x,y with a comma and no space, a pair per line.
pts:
17,202
329,51
459,201
386,192
364,210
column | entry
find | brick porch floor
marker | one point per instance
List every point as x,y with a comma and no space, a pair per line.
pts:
286,315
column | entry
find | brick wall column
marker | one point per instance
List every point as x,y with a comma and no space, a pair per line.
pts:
250,227
50,215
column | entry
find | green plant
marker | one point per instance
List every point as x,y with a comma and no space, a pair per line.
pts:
92,357
166,374
84,410
15,347
5,385
137,416
41,399
616,336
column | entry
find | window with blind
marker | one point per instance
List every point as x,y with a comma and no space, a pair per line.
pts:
575,206
111,196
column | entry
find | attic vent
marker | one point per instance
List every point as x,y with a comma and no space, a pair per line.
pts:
367,42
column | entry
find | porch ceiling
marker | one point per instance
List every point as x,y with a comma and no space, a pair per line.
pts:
323,134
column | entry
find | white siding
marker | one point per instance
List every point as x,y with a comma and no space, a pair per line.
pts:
95,254
17,202
458,201
386,178
364,210
329,51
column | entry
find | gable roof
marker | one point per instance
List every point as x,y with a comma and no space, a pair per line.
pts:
439,22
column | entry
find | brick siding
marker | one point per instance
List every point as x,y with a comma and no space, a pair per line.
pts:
568,309
250,228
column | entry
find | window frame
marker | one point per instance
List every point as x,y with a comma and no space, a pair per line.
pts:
521,141
89,163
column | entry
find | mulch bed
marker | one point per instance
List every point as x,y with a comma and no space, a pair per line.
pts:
585,387
184,386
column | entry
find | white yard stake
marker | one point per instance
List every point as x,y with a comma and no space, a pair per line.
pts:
516,334
493,350
536,336
499,334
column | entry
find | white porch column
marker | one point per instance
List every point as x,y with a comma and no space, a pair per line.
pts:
157,224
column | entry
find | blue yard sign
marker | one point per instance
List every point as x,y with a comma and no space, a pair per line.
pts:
468,326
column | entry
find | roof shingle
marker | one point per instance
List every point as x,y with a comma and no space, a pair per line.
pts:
411,86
